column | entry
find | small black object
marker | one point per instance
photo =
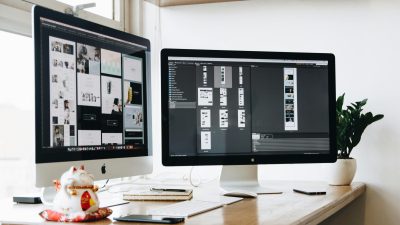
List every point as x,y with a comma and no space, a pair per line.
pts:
310,192
150,219
168,189
27,199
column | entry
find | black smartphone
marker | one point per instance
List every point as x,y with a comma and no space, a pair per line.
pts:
150,219
310,192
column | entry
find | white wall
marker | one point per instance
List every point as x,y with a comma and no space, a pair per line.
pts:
363,34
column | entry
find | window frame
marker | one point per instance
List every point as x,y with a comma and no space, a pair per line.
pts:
15,15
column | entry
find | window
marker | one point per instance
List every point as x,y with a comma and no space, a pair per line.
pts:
106,12
103,8
17,82
15,14
16,114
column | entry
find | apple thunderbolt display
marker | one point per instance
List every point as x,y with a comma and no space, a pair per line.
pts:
241,108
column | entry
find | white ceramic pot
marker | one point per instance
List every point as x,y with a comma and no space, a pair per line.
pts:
342,172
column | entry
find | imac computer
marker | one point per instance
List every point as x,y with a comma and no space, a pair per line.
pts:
91,95
241,108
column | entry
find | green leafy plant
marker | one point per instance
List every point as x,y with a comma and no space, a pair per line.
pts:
350,124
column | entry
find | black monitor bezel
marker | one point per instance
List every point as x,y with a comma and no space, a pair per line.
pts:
167,160
39,12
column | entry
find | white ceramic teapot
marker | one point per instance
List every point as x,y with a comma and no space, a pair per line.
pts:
76,192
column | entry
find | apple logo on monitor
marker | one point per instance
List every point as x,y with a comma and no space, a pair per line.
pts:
103,169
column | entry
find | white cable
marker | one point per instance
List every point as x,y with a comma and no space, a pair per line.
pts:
191,180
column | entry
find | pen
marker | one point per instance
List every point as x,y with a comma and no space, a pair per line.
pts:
168,189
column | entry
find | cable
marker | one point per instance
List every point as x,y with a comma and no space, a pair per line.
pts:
108,187
156,179
105,184
104,187
191,180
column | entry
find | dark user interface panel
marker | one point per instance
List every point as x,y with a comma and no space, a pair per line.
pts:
224,106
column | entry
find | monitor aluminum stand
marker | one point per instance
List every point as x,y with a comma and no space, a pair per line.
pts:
243,178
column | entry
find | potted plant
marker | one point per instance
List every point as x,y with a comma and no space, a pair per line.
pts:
350,124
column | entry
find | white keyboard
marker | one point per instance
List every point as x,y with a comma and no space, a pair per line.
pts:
185,209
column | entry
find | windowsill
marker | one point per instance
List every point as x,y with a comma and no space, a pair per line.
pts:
163,3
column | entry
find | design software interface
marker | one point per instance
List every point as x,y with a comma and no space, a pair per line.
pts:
247,106
92,90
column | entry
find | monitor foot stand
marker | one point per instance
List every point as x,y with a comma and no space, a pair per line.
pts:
243,180
257,189
48,195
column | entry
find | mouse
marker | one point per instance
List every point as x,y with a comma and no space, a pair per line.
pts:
241,193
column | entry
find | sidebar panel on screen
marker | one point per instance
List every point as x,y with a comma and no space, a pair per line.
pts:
182,108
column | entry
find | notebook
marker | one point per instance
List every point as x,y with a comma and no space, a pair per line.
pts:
158,195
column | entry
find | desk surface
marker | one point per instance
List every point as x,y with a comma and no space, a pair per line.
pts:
286,208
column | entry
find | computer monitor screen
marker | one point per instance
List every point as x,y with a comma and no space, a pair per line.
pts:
91,93
233,107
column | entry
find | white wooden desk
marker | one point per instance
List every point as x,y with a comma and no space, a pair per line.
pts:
277,209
